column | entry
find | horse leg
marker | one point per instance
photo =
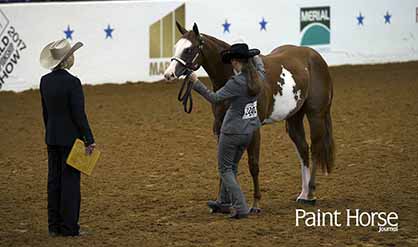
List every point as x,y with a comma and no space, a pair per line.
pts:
253,151
322,146
296,133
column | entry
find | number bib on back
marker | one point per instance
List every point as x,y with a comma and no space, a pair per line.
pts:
250,110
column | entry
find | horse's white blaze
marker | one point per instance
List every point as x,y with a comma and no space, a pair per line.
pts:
287,102
181,45
179,48
306,176
170,69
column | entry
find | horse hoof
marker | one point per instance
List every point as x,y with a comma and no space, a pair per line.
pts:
255,210
306,201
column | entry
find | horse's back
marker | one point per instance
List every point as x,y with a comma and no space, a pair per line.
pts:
320,84
301,53
289,48
300,60
300,73
295,59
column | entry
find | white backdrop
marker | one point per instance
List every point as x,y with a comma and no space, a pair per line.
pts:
125,56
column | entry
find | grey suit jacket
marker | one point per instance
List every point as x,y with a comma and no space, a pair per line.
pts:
241,116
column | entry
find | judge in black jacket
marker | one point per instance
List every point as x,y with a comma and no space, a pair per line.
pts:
65,120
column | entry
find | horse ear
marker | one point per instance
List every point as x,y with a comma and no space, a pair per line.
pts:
196,29
181,29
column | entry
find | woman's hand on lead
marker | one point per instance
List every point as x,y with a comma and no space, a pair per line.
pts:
90,148
193,77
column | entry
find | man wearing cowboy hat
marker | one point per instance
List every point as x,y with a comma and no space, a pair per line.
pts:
65,120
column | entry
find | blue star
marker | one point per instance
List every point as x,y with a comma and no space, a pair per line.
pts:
226,26
360,19
263,24
387,17
109,31
68,33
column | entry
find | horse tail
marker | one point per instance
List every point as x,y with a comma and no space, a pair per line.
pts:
324,148
327,159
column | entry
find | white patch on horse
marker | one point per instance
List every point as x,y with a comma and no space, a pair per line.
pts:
180,46
286,101
306,176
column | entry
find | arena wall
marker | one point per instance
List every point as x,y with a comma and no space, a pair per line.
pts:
133,40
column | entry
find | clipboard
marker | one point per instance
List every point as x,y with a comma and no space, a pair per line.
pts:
80,160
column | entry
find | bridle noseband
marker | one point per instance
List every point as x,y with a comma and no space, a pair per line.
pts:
188,60
190,65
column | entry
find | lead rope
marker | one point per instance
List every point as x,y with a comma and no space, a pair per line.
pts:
185,93
186,98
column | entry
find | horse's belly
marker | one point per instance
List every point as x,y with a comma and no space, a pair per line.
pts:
287,98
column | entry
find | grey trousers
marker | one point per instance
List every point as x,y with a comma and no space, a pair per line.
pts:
230,150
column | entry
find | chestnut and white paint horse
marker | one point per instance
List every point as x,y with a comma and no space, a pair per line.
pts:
297,83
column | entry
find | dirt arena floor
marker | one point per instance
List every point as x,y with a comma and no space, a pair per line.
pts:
158,169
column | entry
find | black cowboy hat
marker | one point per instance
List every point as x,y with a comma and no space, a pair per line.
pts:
239,51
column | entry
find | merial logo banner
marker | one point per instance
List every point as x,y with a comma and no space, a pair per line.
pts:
315,26
163,35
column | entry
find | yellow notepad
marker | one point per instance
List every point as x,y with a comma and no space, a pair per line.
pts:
80,160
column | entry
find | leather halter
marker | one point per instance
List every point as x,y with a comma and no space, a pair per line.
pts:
189,61
190,65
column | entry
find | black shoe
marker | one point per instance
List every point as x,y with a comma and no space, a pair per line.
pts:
236,214
54,234
77,234
83,233
217,207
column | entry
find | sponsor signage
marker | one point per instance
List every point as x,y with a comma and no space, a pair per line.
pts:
315,26
163,35
11,48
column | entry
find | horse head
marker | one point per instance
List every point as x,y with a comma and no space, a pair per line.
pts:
187,55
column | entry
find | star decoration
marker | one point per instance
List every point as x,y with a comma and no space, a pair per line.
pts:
226,26
387,17
68,33
263,24
360,19
109,31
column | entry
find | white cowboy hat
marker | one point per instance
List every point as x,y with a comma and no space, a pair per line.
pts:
56,52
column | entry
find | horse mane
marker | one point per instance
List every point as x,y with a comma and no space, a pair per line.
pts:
221,44
218,72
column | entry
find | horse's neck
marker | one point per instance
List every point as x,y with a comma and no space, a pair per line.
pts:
218,72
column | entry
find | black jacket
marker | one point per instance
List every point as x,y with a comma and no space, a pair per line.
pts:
63,109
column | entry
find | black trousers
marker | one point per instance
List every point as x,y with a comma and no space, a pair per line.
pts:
63,193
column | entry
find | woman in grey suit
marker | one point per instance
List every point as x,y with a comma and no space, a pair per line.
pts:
239,124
